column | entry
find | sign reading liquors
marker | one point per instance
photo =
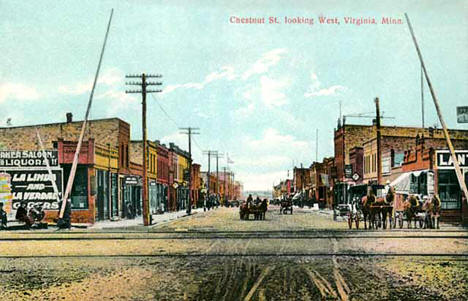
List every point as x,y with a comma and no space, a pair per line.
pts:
21,159
444,159
462,114
35,187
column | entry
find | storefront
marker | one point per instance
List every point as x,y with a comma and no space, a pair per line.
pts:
131,196
448,186
157,196
427,172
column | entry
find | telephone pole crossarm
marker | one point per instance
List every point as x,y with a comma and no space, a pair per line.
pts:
189,131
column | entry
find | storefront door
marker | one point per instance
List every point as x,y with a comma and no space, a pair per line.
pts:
102,195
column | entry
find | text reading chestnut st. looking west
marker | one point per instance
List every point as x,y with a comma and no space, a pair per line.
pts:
316,20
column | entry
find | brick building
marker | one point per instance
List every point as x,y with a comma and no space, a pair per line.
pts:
301,179
349,136
196,186
101,187
393,150
395,140
427,170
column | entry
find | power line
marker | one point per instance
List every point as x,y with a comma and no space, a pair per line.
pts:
175,122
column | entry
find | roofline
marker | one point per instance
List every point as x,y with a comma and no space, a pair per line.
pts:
401,127
58,123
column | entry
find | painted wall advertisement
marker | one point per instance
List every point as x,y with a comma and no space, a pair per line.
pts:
25,178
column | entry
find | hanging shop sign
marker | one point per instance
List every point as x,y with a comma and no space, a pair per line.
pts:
348,171
444,159
33,187
462,114
356,177
132,180
27,159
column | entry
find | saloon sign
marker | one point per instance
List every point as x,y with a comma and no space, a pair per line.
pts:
20,159
25,178
444,159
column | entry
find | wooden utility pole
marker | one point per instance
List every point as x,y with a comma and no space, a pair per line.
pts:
143,84
458,172
316,145
209,153
189,132
71,177
217,172
379,149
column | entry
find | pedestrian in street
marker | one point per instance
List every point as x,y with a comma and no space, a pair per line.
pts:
3,218
130,212
257,201
249,201
22,215
65,221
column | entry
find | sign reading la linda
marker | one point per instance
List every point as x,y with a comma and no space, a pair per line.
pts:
445,161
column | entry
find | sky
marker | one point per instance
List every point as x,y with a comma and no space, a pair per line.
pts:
258,92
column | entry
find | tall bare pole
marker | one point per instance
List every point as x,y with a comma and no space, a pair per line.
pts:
439,113
379,150
49,170
189,132
71,177
422,99
144,91
217,172
316,145
209,153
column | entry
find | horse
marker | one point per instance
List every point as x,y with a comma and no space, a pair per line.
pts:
367,210
244,210
411,209
381,210
427,207
435,212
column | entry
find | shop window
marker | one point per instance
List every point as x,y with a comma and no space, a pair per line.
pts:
418,184
449,190
126,156
114,196
392,157
79,193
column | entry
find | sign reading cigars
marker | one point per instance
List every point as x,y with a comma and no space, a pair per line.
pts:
35,186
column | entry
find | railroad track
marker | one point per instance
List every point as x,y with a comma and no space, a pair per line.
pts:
196,235
462,257
204,237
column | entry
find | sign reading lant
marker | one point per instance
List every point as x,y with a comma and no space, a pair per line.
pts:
444,159
21,159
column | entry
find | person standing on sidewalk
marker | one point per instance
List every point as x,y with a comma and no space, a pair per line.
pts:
3,218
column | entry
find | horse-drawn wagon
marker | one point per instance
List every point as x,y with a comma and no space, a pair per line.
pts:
258,210
286,205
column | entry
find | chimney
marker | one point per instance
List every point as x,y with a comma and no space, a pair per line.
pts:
69,117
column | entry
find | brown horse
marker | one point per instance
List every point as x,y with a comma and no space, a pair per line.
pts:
411,210
368,210
435,212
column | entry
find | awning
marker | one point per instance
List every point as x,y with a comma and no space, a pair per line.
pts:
402,183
